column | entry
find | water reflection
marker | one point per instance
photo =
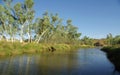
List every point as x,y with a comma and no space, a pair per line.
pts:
80,62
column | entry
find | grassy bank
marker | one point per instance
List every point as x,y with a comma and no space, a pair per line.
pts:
113,53
8,48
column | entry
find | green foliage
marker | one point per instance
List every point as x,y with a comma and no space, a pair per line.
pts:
113,49
56,31
29,3
87,41
2,9
116,40
17,7
113,40
17,20
113,53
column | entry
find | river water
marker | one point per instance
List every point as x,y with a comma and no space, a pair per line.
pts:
90,61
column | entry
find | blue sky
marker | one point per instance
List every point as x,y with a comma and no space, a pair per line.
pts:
94,18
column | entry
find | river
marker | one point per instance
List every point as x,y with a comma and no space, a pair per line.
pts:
89,61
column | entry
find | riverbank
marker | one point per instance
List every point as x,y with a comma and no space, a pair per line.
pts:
16,48
113,53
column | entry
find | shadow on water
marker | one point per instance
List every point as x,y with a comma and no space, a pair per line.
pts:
80,62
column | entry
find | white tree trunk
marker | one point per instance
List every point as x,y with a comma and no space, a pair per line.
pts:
28,36
28,32
21,34
0,38
12,39
11,34
41,35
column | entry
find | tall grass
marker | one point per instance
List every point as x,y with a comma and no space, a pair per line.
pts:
8,48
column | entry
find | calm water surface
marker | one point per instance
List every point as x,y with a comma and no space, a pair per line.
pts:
90,61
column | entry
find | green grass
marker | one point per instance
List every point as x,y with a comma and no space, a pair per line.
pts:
16,48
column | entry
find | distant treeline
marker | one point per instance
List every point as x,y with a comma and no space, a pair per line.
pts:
108,41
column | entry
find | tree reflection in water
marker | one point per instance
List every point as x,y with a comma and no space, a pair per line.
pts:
81,62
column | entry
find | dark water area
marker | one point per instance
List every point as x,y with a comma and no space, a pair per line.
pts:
90,61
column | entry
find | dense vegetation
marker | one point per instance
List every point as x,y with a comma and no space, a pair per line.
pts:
113,50
18,23
22,32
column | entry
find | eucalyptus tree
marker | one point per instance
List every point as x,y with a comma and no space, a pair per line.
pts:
25,14
48,27
18,19
28,6
56,25
2,20
57,34
10,19
87,41
43,25
71,31
116,40
62,33
109,39
12,28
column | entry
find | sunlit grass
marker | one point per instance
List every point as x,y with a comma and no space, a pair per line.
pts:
8,48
